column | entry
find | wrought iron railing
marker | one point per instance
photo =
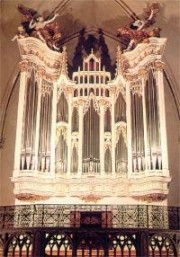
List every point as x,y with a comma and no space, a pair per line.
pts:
105,216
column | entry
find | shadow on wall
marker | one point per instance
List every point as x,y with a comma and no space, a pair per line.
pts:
86,43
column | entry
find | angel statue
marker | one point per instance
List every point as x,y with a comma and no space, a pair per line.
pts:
46,30
20,34
138,31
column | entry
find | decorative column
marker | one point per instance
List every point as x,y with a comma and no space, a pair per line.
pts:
102,103
53,129
162,116
143,74
80,137
70,91
129,127
112,93
21,105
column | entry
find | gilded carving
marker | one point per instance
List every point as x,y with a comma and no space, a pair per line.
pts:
31,197
159,65
151,197
91,198
24,66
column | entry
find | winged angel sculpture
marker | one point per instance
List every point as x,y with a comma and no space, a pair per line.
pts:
140,30
34,25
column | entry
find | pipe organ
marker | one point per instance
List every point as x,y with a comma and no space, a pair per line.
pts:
91,138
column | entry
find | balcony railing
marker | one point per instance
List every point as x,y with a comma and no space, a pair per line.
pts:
104,216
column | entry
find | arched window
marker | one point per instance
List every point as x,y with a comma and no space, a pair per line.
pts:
107,93
81,92
85,79
91,79
91,65
75,93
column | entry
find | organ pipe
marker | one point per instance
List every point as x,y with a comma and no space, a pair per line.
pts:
45,131
61,152
91,133
29,131
153,125
91,141
137,131
121,155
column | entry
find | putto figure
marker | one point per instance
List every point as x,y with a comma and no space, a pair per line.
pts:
138,31
35,25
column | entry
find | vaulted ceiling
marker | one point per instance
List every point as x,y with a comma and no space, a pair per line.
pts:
90,15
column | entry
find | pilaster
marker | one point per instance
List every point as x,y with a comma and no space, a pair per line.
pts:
21,104
80,138
162,116
53,129
129,127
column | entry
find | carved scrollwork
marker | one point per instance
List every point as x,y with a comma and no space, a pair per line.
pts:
24,66
95,104
91,198
151,197
46,88
31,197
136,87
158,65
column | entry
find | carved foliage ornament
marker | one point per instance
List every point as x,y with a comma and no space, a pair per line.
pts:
95,104
31,197
91,198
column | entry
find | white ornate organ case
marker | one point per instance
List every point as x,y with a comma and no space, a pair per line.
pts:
92,138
